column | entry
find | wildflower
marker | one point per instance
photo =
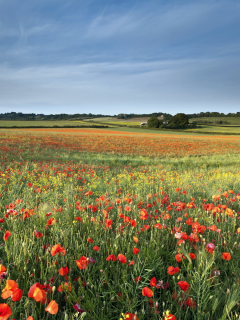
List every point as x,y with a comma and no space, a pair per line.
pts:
139,279
5,311
153,282
38,234
183,285
190,302
111,257
170,317
171,270
135,239
63,271
122,258
130,316
6,235
135,250
131,263
96,248
226,256
37,293
179,257
11,290
91,260
52,307
146,292
210,248
58,249
192,256
78,308
82,263
2,269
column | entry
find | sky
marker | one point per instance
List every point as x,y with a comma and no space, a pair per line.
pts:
119,56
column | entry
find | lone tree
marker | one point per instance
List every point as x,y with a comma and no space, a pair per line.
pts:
153,122
179,121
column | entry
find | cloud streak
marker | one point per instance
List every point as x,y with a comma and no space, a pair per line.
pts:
126,55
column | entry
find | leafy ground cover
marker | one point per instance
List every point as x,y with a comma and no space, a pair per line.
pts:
102,226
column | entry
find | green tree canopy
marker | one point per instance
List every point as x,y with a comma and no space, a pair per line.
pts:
179,121
153,122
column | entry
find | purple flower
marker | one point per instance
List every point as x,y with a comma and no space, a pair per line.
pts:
78,308
92,260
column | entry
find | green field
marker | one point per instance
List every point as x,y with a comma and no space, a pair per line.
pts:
62,123
231,120
113,121
215,129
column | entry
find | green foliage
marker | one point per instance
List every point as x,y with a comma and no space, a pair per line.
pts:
179,121
153,122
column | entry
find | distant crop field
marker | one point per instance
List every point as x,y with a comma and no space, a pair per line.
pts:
122,123
6,123
213,129
230,120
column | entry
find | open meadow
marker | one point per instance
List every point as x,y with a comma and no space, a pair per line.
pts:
107,224
45,123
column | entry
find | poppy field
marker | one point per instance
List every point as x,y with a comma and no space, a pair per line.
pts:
98,224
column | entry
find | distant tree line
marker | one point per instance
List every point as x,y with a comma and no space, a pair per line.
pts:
82,116
212,114
40,116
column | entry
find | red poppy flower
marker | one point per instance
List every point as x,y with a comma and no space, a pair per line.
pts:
183,285
111,257
130,316
135,250
190,302
131,263
82,263
11,290
63,271
135,239
58,249
226,256
52,308
146,292
30,318
37,293
96,248
122,258
139,279
158,226
210,248
179,257
5,311
171,270
192,256
170,317
133,223
143,214
66,286
153,282
38,234
2,269
50,222
6,235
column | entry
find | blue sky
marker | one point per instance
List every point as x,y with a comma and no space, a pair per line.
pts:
125,56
